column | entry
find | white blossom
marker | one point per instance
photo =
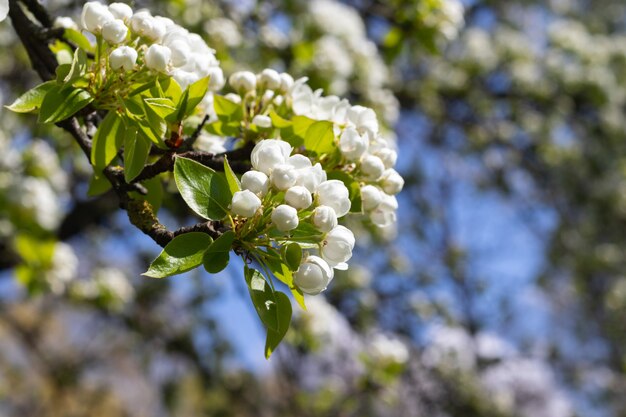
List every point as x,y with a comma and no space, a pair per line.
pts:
371,197
285,218
363,118
158,57
123,57
337,247
283,176
94,16
385,213
61,22
242,81
298,197
324,218
255,181
372,167
313,275
351,144
262,121
269,153
121,11
245,203
210,143
333,193
270,79
391,181
114,31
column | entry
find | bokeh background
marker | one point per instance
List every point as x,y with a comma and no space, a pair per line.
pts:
502,291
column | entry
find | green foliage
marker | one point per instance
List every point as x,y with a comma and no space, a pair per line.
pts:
205,191
136,151
233,182
216,257
292,255
319,138
31,100
284,312
226,110
107,141
182,254
62,102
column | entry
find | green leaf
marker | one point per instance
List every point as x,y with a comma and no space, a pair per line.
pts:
263,298
205,191
216,257
274,337
78,38
197,91
292,254
31,100
182,254
222,128
278,121
171,89
285,275
63,70
320,138
226,110
233,182
301,125
62,102
78,67
136,151
181,109
163,107
155,193
107,141
98,184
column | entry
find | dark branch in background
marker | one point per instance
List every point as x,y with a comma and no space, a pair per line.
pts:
35,38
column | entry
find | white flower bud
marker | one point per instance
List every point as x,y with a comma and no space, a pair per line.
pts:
142,23
278,100
313,275
262,121
311,177
337,247
372,167
216,80
285,218
65,23
94,16
385,214
333,193
269,153
298,197
121,11
283,176
392,182
352,145
324,218
115,31
270,79
245,203
388,156
286,82
235,98
371,197
158,57
255,181
123,57
363,118
242,81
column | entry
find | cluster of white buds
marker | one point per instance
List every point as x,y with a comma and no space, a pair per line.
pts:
368,156
292,190
138,38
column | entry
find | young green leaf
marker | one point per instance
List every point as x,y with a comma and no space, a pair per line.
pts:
78,67
197,91
163,107
79,39
278,121
155,193
292,254
320,137
31,100
281,271
222,128
216,257
107,141
181,109
226,110
205,191
233,182
98,184
62,102
274,337
136,151
263,298
182,254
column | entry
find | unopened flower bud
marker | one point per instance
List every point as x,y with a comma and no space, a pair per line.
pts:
392,182
262,121
158,57
333,193
313,275
269,153
388,156
123,57
371,197
337,247
283,176
245,203
363,118
94,16
121,11
298,197
324,218
181,52
235,98
255,181
385,214
115,31
285,218
242,81
142,23
270,79
286,82
372,167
